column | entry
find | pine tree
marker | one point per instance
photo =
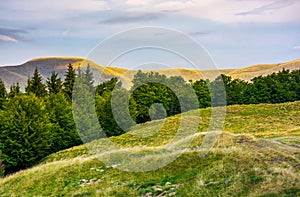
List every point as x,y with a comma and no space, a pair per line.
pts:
54,83
35,85
14,90
69,81
3,93
89,79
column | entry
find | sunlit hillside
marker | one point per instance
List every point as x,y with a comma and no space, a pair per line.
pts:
45,65
257,154
250,72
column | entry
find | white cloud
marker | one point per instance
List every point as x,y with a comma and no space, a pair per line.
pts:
225,11
5,38
56,5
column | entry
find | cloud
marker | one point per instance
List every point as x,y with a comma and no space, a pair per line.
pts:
56,5
268,8
132,17
4,38
12,35
296,47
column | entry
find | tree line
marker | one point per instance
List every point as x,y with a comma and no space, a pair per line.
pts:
39,121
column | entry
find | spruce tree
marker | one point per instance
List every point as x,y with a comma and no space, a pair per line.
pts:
54,83
26,132
2,89
14,90
89,79
35,84
69,81
3,93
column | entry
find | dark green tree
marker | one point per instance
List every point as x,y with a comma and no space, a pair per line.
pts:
35,84
202,92
107,86
3,93
54,83
69,81
116,111
14,90
65,134
173,93
26,132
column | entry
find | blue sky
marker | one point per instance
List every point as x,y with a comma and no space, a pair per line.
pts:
235,33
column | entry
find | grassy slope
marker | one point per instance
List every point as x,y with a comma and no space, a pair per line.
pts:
256,155
250,72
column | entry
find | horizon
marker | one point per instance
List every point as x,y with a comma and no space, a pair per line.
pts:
147,69
234,33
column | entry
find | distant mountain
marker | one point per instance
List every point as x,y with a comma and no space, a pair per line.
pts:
45,65
250,72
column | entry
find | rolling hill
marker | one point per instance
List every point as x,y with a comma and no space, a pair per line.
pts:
257,154
250,72
45,65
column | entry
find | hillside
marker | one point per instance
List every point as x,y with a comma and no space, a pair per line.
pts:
250,72
20,73
257,154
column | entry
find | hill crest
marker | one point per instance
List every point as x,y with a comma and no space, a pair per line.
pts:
20,73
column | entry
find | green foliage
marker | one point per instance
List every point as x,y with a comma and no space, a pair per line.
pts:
35,85
60,115
107,86
54,83
202,91
3,93
2,169
26,132
26,118
277,87
173,93
14,90
83,105
280,87
69,81
114,121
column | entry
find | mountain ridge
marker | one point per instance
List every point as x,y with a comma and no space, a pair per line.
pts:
45,65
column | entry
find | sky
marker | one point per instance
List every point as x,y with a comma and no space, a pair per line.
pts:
235,33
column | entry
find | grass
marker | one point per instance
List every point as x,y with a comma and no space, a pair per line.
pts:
250,72
257,154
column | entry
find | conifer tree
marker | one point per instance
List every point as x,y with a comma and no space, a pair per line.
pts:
14,90
89,79
3,93
69,81
54,83
26,132
35,85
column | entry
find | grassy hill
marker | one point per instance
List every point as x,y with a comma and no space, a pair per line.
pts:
257,154
20,73
250,72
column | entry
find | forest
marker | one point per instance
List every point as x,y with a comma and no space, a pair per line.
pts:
40,121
